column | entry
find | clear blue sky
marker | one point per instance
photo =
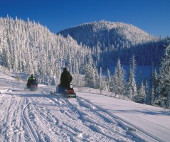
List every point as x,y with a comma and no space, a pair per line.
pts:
153,16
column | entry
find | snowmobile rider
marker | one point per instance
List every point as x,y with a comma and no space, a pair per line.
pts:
65,79
31,80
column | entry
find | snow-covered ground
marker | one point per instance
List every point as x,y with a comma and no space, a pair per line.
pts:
40,116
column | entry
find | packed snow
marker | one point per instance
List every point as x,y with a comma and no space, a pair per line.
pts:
41,116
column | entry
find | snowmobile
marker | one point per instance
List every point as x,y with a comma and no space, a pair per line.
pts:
66,92
32,85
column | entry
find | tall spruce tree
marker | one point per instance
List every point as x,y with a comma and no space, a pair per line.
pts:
101,81
89,72
153,84
163,89
140,98
108,80
118,82
148,96
131,87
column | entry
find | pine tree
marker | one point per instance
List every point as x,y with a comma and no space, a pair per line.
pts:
131,87
129,92
140,98
148,96
96,78
163,88
89,74
118,82
108,80
101,81
153,84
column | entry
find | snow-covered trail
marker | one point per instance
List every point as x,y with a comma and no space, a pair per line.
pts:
153,122
39,116
35,116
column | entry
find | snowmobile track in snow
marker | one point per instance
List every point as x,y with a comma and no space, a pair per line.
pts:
131,128
34,137
104,114
69,103
47,117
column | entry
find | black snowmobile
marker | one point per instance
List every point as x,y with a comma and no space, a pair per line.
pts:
66,92
65,87
32,83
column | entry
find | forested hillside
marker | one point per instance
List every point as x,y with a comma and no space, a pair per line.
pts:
32,48
110,41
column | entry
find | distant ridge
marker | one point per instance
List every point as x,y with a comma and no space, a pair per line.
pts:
110,41
108,33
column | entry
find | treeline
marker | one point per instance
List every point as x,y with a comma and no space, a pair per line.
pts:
149,53
155,91
29,47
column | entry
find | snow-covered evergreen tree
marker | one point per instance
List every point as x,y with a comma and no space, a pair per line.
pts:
129,92
148,96
140,98
153,84
108,80
163,88
101,81
131,86
118,81
90,73
96,78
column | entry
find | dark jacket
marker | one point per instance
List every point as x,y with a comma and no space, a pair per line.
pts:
32,80
65,79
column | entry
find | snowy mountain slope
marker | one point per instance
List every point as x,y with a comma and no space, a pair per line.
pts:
111,41
27,46
107,33
39,116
